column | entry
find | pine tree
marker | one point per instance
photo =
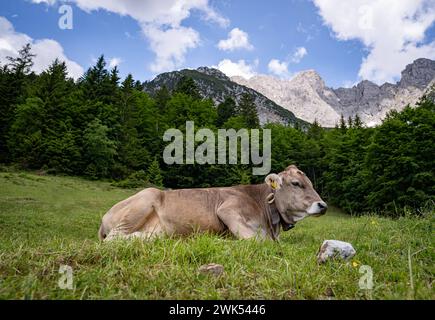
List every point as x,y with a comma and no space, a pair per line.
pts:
54,88
248,111
225,110
98,85
128,84
138,85
315,131
349,122
131,154
99,150
22,64
154,174
114,77
188,86
13,80
342,125
357,123
162,97
26,137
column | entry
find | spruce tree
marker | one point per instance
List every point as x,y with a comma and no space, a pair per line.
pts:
98,84
99,150
14,78
248,111
350,122
138,85
315,131
342,124
23,63
54,88
357,123
114,77
188,86
162,97
225,110
154,174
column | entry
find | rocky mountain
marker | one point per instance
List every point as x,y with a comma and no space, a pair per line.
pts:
216,85
307,96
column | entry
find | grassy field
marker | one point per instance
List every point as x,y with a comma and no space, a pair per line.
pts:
46,222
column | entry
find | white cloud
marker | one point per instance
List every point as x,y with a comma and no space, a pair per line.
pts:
298,54
278,68
237,39
161,24
114,62
392,31
49,2
240,68
46,50
171,46
164,12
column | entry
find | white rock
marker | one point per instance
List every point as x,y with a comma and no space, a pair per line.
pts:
335,248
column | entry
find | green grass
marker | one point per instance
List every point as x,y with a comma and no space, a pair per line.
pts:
46,222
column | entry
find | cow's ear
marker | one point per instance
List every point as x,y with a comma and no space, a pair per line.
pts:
274,181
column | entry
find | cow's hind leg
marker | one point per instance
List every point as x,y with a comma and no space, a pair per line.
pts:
145,234
151,230
138,218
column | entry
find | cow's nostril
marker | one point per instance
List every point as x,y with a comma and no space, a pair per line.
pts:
322,205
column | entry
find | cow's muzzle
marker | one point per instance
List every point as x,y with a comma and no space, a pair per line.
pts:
318,208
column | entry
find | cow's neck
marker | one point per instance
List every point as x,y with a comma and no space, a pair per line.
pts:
272,216
276,215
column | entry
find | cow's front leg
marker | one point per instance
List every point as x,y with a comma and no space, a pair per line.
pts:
238,225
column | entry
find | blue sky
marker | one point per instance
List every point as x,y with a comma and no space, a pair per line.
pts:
343,42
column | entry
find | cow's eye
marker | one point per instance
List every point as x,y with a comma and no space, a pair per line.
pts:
296,183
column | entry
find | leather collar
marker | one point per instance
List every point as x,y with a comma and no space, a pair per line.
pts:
275,217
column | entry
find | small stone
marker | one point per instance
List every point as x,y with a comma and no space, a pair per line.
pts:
329,292
335,248
212,268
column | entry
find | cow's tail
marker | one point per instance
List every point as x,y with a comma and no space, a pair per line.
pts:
102,232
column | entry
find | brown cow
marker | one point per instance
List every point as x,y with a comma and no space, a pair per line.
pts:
246,211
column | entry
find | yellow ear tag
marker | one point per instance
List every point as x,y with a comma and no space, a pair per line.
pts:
274,185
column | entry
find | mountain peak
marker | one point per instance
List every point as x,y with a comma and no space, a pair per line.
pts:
366,84
213,72
310,77
309,73
418,73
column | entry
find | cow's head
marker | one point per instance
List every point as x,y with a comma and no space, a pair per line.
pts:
295,197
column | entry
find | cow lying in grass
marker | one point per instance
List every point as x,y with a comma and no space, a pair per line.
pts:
246,211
